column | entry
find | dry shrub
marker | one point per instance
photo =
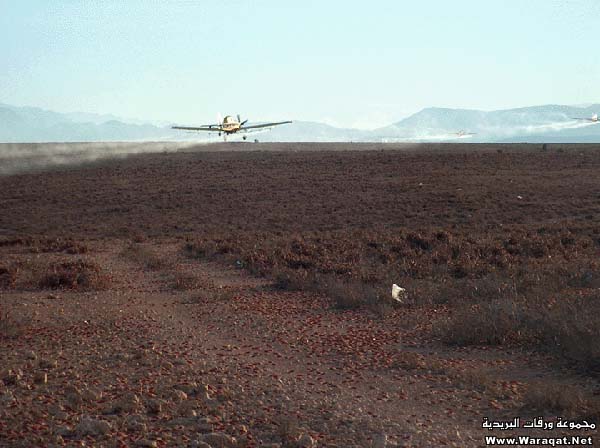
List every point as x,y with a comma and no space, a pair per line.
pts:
288,429
347,294
475,379
551,396
45,245
410,361
352,295
377,255
67,246
8,275
144,256
584,278
492,287
566,327
486,323
11,242
500,287
289,280
79,274
10,327
457,292
213,295
194,250
471,378
209,248
571,328
184,282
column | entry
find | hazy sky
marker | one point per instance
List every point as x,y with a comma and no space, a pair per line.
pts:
349,63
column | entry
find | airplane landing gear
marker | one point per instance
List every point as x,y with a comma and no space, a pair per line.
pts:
244,137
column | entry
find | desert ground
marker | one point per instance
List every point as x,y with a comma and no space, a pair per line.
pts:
239,295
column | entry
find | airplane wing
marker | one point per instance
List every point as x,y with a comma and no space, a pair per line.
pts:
264,125
209,127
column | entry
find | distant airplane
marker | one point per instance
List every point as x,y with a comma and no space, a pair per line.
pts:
594,118
463,133
230,125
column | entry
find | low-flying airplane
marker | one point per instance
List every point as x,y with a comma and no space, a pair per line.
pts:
594,118
230,125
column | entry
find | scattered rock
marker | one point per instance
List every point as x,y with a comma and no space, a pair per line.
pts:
187,408
207,399
90,395
7,398
128,403
199,444
73,396
136,423
219,439
65,431
305,441
182,421
155,406
146,443
380,441
189,389
40,377
57,411
91,427
205,425
178,395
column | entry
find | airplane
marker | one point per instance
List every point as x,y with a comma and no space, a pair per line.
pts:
594,118
230,125
463,133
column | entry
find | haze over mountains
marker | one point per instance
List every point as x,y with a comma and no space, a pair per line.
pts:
550,123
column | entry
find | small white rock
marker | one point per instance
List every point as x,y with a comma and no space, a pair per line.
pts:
398,293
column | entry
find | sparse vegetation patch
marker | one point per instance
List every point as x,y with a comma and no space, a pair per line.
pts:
79,274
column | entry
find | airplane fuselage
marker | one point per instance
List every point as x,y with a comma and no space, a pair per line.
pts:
230,125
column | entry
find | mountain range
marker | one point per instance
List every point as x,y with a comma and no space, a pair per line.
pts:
549,123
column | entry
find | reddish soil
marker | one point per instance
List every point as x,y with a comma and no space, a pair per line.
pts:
112,335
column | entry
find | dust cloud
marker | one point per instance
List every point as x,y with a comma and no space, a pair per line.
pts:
18,158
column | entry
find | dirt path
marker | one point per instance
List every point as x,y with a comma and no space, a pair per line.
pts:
176,351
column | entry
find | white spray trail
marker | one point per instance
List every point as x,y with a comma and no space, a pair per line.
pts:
424,138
